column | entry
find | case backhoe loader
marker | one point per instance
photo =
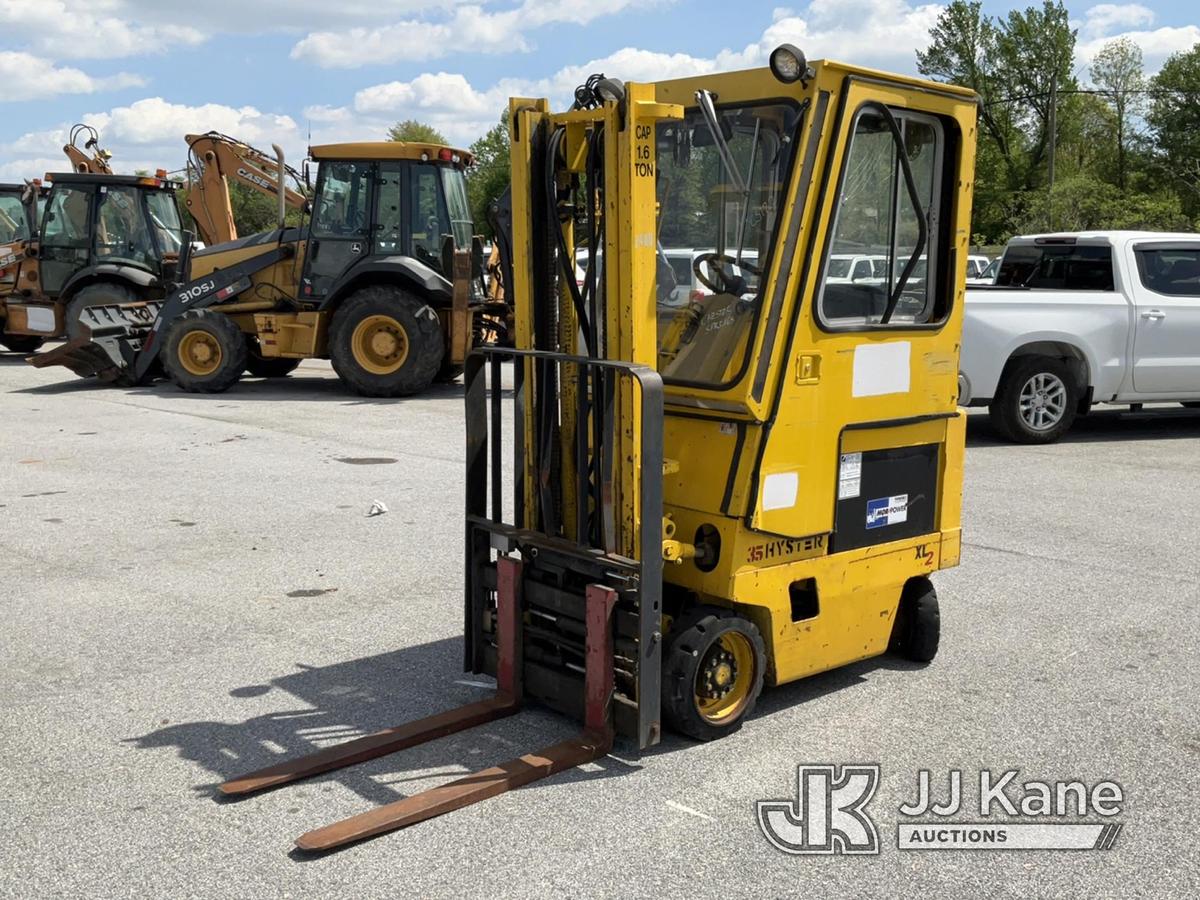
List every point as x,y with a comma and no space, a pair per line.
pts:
699,497
383,279
99,238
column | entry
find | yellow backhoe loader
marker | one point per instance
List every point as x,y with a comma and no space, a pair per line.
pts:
676,498
92,236
383,279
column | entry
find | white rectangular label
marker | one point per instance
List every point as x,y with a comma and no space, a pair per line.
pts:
39,318
881,369
780,490
850,476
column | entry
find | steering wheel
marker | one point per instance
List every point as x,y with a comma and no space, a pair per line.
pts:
728,282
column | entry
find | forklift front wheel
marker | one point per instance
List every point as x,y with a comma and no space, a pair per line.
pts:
918,626
205,352
712,673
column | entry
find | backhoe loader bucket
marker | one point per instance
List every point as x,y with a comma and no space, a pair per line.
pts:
116,332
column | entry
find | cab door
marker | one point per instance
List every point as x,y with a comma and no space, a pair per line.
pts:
866,408
1166,295
340,231
65,244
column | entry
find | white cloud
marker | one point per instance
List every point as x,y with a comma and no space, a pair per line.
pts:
29,77
471,26
1110,17
149,134
1107,22
881,33
100,29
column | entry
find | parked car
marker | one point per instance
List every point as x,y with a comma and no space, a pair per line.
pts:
1080,319
976,267
987,275
846,268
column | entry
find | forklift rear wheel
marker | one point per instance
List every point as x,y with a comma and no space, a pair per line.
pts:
712,673
918,626
205,352
102,294
21,343
267,366
385,342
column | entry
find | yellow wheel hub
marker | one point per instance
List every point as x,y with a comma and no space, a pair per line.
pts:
379,344
200,353
725,678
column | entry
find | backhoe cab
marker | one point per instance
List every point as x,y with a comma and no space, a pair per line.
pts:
100,239
678,498
382,279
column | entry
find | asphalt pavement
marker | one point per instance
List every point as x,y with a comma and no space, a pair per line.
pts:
192,588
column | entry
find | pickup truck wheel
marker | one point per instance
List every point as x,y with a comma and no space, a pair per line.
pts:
1036,402
205,352
386,342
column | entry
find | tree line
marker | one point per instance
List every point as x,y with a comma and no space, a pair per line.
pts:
1061,147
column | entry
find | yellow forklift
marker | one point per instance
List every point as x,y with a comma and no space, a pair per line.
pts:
676,497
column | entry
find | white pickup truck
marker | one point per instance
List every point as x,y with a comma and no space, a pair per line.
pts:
1079,319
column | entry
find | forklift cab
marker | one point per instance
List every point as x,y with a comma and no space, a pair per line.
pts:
120,223
384,204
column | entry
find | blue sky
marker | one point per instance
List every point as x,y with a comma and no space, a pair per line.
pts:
144,72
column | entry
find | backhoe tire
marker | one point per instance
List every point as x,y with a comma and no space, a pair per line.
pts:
21,343
267,366
104,293
712,672
1037,400
449,372
386,342
918,626
204,352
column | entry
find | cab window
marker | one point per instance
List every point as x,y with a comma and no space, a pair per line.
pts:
341,208
13,224
121,233
880,215
388,213
1173,271
1061,267
430,221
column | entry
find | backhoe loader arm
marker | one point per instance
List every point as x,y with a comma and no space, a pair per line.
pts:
213,159
97,162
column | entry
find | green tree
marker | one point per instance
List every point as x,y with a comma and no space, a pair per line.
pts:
488,178
417,132
1117,72
1174,120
